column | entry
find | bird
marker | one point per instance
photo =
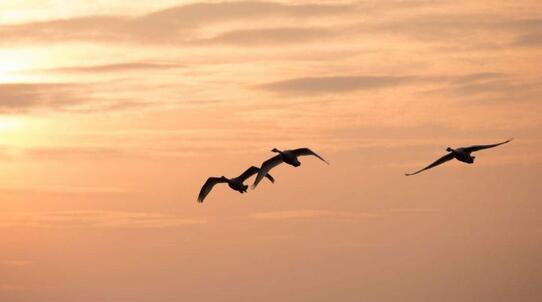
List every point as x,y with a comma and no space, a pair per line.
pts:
236,183
286,156
462,154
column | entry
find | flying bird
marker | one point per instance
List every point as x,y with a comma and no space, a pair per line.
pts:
287,156
236,183
461,154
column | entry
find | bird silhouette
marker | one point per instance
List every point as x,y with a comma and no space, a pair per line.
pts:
287,156
462,154
236,183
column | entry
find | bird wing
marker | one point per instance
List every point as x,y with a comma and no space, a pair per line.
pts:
251,171
266,167
481,147
439,161
307,151
208,186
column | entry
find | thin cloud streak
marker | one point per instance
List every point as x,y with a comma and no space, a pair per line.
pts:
498,88
309,214
8,287
443,27
60,97
530,40
21,97
487,86
332,84
95,219
63,189
116,67
182,25
169,26
15,263
271,36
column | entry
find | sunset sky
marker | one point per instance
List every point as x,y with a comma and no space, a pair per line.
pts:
114,113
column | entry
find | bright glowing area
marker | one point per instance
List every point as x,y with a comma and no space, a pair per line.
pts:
10,123
13,62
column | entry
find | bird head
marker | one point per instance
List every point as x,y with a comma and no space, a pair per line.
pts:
275,150
449,149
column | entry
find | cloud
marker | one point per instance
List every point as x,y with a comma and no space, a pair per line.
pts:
22,97
487,85
271,36
116,67
173,26
8,287
491,87
474,77
97,219
331,84
105,106
309,214
530,40
64,153
70,189
104,28
67,97
182,25
74,189
415,210
450,27
15,263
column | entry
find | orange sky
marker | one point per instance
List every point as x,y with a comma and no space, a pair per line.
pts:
113,114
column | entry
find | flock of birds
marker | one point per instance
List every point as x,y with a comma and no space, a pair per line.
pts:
290,157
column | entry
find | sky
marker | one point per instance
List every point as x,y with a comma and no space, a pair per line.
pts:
114,113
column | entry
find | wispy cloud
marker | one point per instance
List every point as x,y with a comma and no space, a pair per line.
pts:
116,67
309,214
491,87
415,210
185,24
22,97
271,36
63,189
485,85
331,84
529,40
61,97
445,26
99,219
15,263
64,153
173,25
8,287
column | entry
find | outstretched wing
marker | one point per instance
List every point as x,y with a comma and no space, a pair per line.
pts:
307,151
439,161
481,147
208,186
251,171
266,167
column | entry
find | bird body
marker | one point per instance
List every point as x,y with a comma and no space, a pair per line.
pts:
462,154
236,183
289,157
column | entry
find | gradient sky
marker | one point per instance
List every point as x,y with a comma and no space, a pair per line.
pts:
113,114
